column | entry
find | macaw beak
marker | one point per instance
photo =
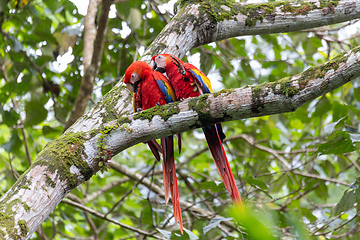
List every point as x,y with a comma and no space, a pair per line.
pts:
156,68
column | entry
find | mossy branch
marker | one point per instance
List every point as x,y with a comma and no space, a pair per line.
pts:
201,22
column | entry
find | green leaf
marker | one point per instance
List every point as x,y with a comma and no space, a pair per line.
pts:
50,132
260,184
256,224
17,46
357,94
347,201
14,144
212,186
35,112
10,117
339,111
341,144
322,107
298,228
245,65
322,191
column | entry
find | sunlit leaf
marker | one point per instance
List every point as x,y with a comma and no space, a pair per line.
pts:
330,127
166,234
192,236
134,18
214,223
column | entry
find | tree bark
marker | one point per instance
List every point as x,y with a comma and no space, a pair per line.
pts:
92,59
109,127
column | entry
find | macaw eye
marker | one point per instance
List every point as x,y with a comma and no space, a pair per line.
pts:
133,75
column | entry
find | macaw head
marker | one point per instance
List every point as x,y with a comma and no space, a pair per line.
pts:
134,74
162,61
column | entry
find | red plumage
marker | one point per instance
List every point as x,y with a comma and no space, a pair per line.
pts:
145,83
189,81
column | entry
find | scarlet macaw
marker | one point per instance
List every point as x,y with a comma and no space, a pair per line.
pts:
151,88
189,81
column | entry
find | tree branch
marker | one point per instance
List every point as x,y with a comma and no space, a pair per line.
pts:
102,216
203,22
90,70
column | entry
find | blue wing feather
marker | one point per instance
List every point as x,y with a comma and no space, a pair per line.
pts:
167,91
203,84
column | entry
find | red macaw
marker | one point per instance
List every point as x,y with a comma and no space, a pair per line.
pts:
189,81
151,88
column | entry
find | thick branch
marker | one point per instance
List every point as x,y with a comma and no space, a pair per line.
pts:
209,21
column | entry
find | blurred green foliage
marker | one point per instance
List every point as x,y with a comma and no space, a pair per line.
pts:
319,141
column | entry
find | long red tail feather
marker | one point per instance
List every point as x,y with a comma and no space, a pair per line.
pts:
170,179
222,163
179,142
155,149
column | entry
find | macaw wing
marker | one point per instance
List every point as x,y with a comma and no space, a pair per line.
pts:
202,80
166,89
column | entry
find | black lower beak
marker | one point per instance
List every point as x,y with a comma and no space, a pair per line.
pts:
135,85
162,70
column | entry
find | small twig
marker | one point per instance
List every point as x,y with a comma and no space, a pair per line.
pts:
102,216
130,191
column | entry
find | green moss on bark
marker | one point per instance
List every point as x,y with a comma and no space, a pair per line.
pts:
220,10
223,91
49,181
60,155
24,229
285,87
329,3
7,222
110,101
164,111
201,105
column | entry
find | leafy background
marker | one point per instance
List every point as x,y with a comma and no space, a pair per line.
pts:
41,69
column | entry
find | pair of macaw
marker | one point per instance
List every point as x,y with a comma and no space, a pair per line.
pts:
183,80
